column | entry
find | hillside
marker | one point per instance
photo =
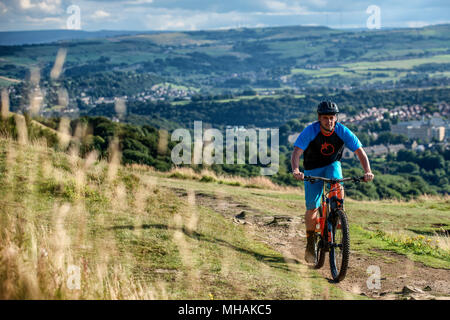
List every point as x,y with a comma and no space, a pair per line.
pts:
261,77
402,176
14,38
131,237
137,233
262,58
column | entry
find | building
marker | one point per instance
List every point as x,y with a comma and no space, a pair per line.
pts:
434,128
378,150
438,133
394,148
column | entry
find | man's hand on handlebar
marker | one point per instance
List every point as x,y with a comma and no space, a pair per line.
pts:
368,176
298,175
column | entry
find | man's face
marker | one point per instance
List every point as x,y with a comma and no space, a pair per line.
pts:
327,121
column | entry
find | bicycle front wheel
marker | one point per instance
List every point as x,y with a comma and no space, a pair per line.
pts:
319,251
340,245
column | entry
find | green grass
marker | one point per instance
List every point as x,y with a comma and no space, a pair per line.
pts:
359,71
398,64
240,98
376,224
323,72
417,248
4,83
131,236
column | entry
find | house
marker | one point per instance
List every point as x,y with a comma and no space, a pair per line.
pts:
394,148
377,150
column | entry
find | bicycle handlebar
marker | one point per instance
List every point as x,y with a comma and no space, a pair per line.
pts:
332,181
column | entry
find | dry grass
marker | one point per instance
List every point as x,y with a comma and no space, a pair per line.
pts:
442,239
43,236
140,167
259,182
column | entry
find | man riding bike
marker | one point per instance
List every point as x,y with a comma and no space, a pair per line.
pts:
322,144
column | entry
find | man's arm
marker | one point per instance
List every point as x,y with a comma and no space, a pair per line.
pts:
362,156
295,159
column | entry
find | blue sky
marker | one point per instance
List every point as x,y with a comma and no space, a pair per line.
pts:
216,14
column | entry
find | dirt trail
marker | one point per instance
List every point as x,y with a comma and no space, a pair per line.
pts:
400,278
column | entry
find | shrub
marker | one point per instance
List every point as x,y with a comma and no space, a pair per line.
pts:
207,179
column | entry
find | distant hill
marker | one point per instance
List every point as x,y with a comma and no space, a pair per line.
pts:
310,62
13,38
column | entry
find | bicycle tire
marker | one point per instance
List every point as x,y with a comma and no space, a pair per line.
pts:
319,251
339,268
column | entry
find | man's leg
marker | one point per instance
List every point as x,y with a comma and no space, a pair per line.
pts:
310,219
310,222
313,193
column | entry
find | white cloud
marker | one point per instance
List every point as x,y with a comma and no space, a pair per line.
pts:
3,8
276,5
187,20
283,8
99,14
25,4
43,20
137,2
48,6
417,24
318,3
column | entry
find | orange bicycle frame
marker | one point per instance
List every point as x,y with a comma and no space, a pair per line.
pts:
336,195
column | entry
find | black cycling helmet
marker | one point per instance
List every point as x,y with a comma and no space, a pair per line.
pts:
327,107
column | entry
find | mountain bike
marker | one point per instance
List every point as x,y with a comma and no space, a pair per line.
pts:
332,229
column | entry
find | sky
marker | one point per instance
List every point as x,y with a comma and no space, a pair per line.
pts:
145,15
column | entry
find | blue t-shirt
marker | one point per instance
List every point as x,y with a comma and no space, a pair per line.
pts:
321,150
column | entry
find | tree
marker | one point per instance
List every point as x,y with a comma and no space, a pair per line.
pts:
386,125
408,167
432,162
407,155
385,138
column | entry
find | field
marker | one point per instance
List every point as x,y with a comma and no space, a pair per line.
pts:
239,98
134,233
369,72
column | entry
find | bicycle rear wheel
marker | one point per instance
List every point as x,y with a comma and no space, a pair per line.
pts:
340,247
